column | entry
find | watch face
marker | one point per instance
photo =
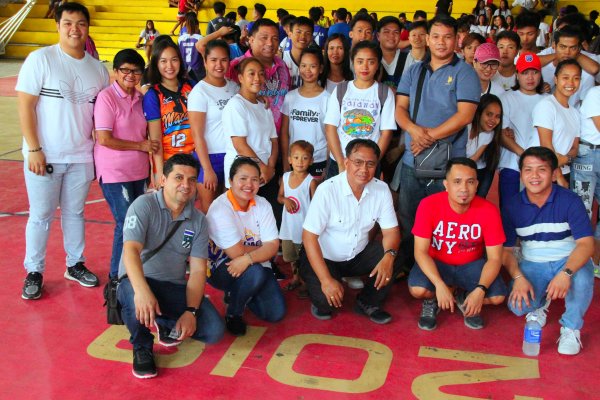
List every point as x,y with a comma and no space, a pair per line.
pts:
568,271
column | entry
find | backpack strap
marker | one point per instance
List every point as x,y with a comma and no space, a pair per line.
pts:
382,93
342,88
400,65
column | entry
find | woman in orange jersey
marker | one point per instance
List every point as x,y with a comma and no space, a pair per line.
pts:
165,104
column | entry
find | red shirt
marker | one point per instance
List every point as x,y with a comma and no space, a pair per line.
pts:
457,239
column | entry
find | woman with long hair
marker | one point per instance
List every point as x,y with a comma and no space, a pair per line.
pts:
336,65
165,103
148,34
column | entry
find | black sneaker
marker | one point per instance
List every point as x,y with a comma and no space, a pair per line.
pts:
323,316
473,322
427,320
81,274
164,336
235,325
32,288
374,313
280,276
143,364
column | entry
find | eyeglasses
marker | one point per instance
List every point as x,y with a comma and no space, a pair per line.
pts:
493,66
127,71
358,163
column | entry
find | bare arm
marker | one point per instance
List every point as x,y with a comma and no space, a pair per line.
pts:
155,133
28,119
335,146
559,285
385,267
522,290
243,256
508,141
587,64
194,294
198,128
418,134
284,138
384,142
201,44
105,138
464,115
478,153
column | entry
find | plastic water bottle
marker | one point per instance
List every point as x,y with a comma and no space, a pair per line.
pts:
532,336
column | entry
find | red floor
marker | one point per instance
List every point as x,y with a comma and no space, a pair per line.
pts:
60,347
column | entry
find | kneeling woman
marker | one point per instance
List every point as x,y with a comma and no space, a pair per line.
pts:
243,238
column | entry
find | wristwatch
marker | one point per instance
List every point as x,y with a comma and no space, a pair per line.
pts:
393,252
483,287
568,272
192,310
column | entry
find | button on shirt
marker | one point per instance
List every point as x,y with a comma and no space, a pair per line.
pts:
342,222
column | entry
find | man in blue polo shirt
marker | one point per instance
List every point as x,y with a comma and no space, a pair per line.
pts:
449,98
340,26
557,242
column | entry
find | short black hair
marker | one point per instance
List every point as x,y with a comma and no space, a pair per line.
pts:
362,17
367,44
242,11
543,153
302,21
216,43
219,7
282,12
389,20
259,23
71,8
239,161
510,35
420,14
341,13
314,13
181,159
467,162
527,19
288,20
128,56
356,143
443,19
260,9
566,63
418,24
568,31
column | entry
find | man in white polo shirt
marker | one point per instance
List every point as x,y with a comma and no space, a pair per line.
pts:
336,236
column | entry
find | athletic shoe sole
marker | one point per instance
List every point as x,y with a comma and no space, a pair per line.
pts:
69,277
165,344
24,297
145,376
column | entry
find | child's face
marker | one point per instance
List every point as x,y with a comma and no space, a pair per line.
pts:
301,36
299,159
365,65
310,68
361,31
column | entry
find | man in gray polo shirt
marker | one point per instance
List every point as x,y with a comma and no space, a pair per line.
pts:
449,98
153,290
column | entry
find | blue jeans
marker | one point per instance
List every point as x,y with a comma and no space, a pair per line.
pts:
585,174
171,299
578,299
509,184
256,287
412,190
68,188
119,197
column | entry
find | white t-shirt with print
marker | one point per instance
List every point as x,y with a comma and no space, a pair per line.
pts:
252,121
295,79
563,122
475,144
227,227
307,120
211,100
66,88
505,82
361,115
590,108
517,109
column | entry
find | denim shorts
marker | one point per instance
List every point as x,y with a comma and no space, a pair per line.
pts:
218,163
464,276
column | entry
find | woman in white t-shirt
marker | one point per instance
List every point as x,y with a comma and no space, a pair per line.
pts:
250,124
517,127
243,238
205,109
483,144
557,123
336,65
148,34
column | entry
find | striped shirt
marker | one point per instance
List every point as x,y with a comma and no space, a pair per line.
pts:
547,233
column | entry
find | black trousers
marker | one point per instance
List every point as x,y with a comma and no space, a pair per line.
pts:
362,264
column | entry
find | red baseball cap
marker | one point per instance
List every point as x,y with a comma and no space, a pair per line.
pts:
528,61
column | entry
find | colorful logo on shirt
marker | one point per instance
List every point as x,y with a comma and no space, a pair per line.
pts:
188,235
215,254
296,205
251,238
358,123
450,80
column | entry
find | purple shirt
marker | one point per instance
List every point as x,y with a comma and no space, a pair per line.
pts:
116,111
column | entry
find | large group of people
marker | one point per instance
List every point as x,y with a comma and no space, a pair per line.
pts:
366,147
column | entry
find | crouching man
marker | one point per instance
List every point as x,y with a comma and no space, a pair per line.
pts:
161,231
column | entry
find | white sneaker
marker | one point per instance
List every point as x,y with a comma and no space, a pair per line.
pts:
569,342
539,315
354,282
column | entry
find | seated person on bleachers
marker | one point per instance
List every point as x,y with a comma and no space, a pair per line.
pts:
557,242
458,243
